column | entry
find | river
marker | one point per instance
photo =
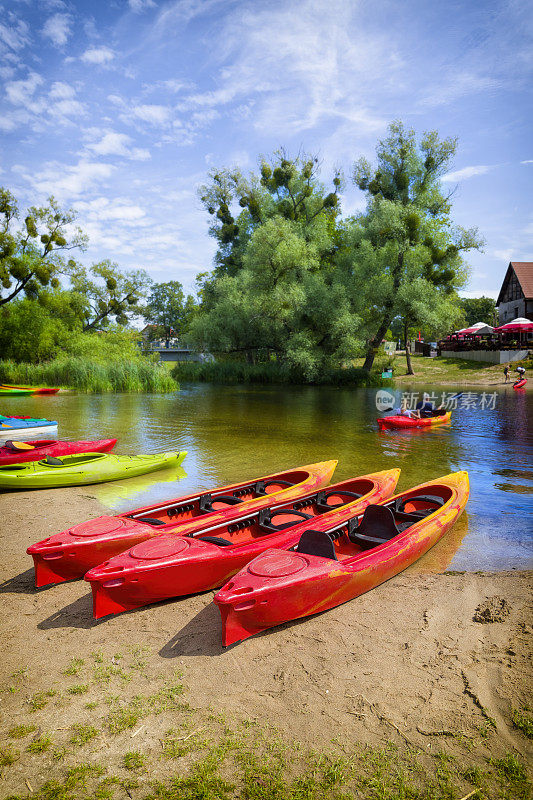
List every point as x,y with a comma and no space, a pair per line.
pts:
234,433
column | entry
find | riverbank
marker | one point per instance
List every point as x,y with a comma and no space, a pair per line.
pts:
456,372
360,700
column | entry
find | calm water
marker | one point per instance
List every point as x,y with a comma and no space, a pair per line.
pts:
236,433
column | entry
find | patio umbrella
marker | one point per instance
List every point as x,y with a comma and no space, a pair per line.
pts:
518,325
479,327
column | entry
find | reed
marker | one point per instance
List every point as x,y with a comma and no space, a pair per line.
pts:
231,372
87,375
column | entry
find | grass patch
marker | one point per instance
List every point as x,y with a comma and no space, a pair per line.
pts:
523,721
40,700
81,688
82,734
8,756
40,745
134,761
20,731
74,666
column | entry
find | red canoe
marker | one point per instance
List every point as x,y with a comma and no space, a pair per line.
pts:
34,389
401,422
19,452
174,566
331,565
70,554
519,384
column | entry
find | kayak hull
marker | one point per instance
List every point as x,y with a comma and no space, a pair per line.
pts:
31,389
399,422
519,384
69,554
280,585
53,447
23,431
8,392
84,469
174,566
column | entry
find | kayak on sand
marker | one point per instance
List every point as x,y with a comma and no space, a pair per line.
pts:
332,565
14,452
82,469
174,566
70,554
31,389
400,421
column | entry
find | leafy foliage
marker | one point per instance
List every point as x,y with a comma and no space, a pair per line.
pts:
31,254
479,309
109,293
168,308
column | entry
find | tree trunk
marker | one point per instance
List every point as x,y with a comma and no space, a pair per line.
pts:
375,343
410,370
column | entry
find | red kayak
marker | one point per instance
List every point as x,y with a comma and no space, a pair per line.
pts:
70,554
399,421
34,389
519,384
19,452
333,563
174,566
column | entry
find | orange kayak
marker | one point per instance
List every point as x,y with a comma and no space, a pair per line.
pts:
399,421
333,564
70,554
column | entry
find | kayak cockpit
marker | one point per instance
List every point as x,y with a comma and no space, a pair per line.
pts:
378,525
71,461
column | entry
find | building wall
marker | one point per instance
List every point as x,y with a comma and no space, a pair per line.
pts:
511,310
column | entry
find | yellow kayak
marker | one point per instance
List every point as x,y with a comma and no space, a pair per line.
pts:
84,468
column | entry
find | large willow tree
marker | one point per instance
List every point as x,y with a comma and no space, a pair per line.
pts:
403,255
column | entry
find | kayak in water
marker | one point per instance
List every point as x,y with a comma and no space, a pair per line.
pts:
14,452
402,421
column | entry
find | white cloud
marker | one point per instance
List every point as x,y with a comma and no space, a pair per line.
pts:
112,143
138,6
57,29
68,182
61,91
504,255
21,92
15,37
466,172
528,161
98,55
153,114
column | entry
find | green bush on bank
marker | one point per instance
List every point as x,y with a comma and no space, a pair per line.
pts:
232,372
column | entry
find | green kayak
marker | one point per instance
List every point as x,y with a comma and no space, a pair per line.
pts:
7,392
84,468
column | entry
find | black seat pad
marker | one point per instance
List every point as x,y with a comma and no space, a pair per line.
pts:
377,526
214,540
322,499
317,543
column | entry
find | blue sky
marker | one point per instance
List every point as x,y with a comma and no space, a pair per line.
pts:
120,107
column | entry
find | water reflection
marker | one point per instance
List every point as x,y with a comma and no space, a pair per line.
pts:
233,432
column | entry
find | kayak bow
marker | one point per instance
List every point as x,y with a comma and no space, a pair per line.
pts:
20,452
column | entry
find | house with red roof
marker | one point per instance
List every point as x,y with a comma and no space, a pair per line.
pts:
516,295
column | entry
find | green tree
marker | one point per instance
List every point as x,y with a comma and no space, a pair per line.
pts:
109,293
404,254
28,332
479,309
32,254
168,308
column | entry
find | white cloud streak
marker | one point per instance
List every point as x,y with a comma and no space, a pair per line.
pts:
57,28
98,55
465,173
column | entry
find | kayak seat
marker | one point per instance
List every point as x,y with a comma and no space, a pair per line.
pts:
150,520
322,499
53,462
377,526
214,540
316,543
420,513
206,501
261,486
266,516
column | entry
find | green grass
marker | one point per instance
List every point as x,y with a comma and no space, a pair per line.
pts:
134,761
85,375
19,731
82,734
80,688
523,721
74,666
8,756
40,700
39,745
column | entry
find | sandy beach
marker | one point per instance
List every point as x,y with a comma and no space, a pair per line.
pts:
426,661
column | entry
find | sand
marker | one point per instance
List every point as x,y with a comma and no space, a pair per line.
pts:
406,662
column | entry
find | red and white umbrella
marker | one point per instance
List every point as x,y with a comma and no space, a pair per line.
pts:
518,325
479,327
